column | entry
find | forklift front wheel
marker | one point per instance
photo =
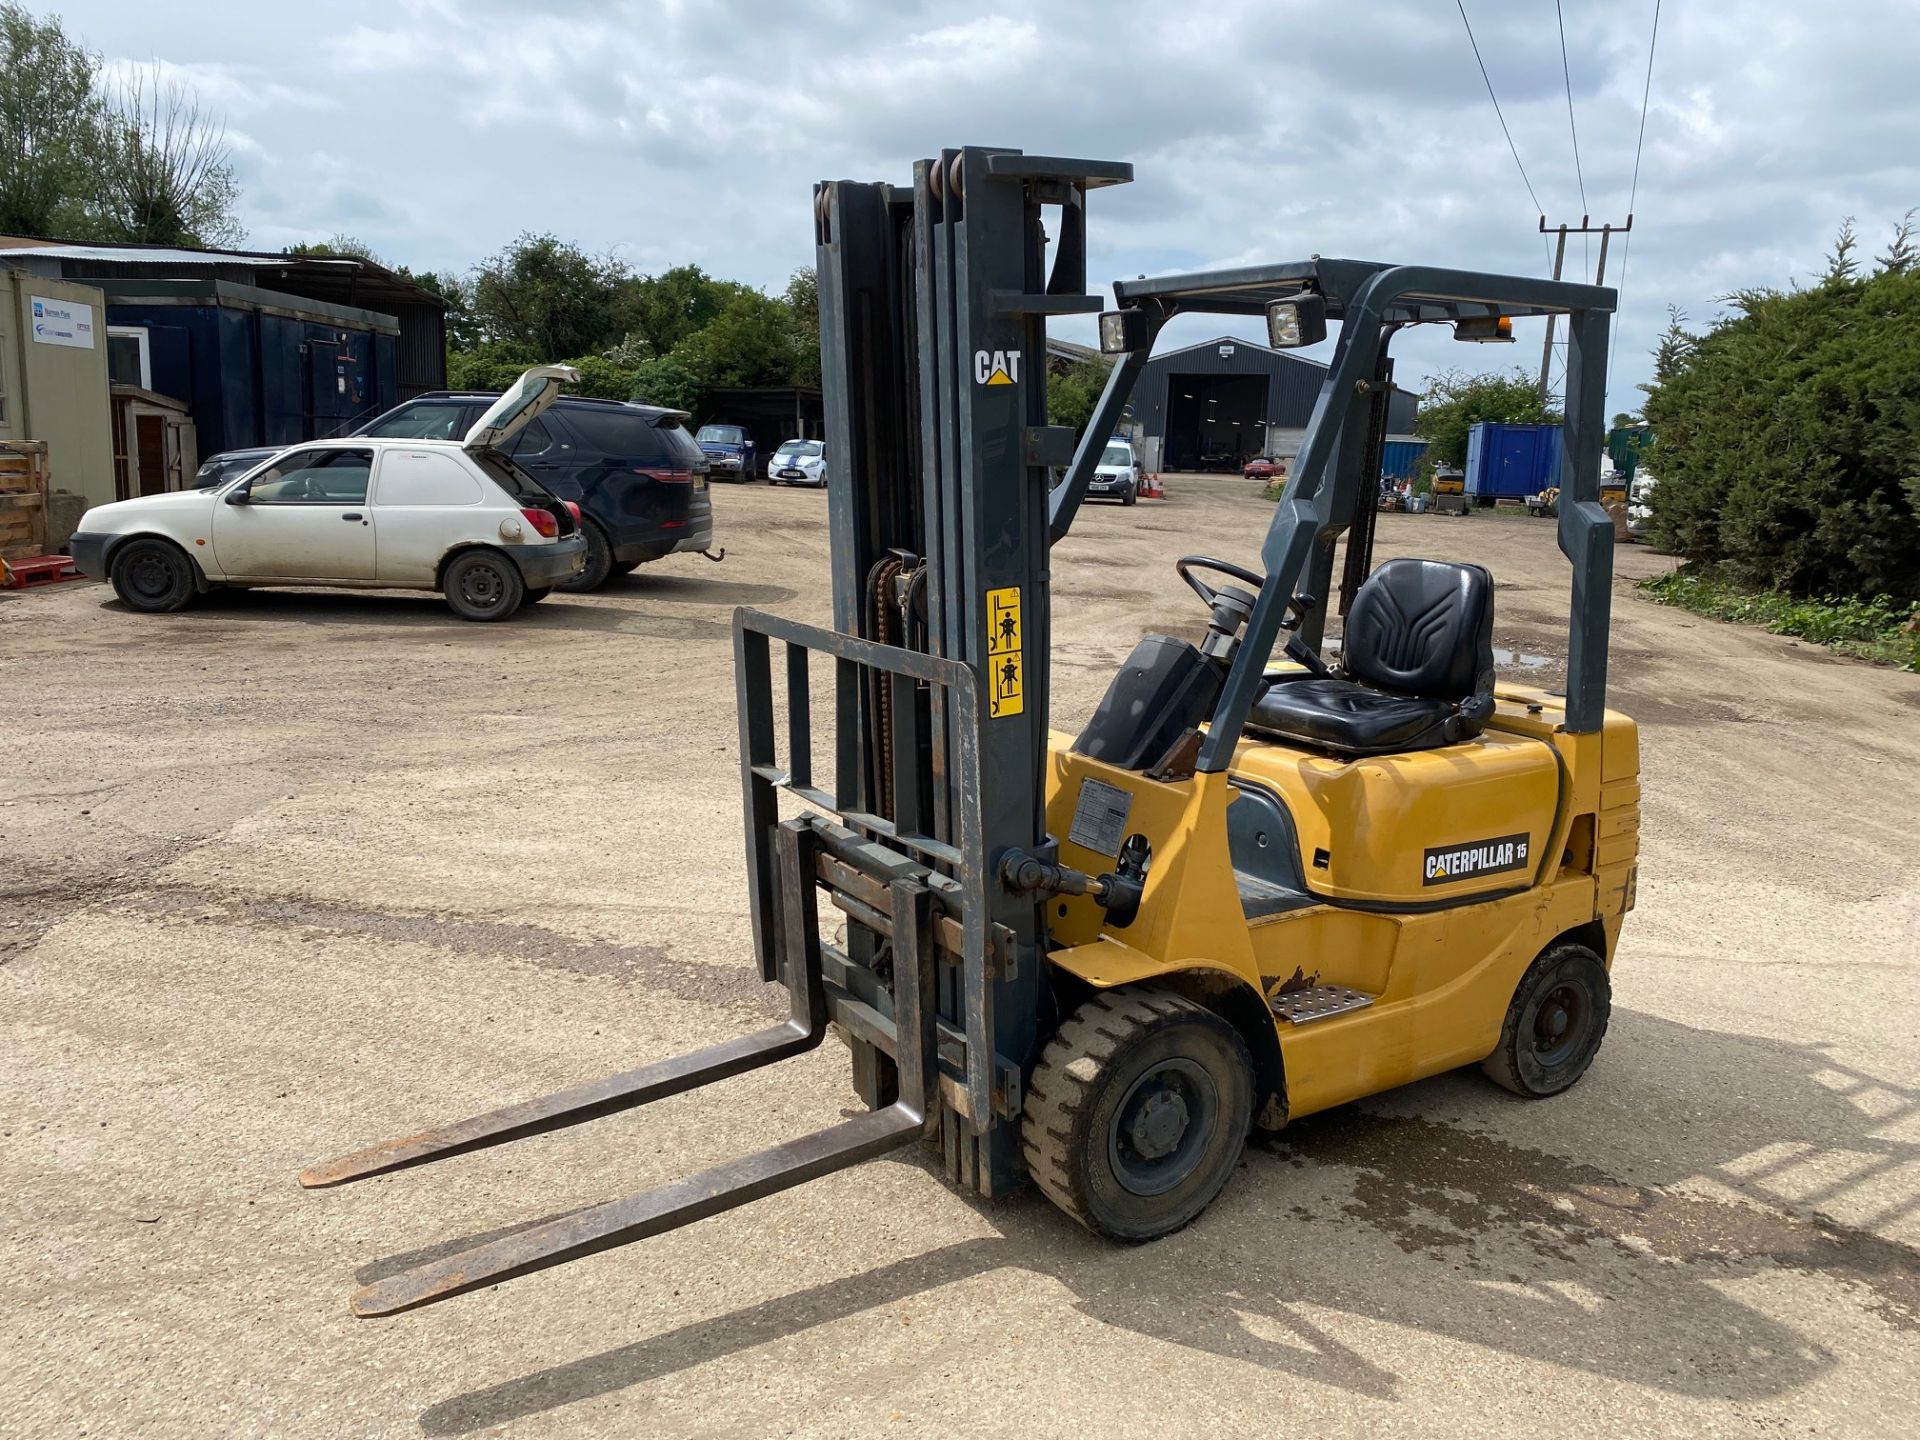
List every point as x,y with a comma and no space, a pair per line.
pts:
1554,1025
1137,1112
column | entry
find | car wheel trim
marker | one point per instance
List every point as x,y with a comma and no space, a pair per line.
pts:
483,586
148,574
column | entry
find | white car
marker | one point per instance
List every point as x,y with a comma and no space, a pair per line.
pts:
798,462
455,516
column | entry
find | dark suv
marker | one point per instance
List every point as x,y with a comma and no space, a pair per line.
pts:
636,473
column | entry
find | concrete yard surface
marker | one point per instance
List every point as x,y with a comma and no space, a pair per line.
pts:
296,871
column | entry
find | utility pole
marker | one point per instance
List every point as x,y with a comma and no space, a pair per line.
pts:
1585,227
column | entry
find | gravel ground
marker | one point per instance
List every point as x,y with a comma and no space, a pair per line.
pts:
295,871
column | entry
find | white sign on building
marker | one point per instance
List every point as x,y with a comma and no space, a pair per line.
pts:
62,322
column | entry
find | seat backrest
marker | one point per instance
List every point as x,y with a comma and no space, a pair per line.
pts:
1422,627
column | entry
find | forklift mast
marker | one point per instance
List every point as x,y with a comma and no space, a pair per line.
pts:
933,310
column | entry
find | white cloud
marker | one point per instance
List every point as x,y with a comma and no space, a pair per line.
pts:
679,130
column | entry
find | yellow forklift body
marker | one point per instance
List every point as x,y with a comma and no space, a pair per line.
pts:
1438,970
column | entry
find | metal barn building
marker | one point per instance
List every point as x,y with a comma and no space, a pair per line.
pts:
1217,405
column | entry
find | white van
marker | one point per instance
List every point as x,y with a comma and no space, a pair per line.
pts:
1117,476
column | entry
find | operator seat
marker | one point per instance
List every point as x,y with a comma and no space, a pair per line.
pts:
1416,667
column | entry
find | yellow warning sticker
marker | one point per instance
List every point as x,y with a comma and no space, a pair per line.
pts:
1006,647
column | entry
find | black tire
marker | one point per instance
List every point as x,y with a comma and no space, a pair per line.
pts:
535,596
1131,495
153,575
1555,1024
593,574
1137,1113
483,585
623,567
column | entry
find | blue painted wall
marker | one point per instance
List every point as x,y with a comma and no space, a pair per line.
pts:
250,378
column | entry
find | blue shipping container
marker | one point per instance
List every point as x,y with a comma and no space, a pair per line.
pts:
1400,458
1511,462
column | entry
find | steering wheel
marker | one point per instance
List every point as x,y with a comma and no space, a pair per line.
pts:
1296,649
1187,564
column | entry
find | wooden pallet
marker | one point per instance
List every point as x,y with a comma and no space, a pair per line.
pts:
40,570
23,498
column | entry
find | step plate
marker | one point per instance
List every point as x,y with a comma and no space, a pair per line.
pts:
1318,1002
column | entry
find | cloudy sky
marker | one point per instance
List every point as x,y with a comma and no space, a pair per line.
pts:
669,132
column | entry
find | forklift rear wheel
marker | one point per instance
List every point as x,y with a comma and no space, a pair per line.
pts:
1554,1025
1137,1112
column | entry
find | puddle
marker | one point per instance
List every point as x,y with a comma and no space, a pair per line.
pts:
1521,659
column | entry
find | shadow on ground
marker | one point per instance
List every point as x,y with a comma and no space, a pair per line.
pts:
420,610
1432,1227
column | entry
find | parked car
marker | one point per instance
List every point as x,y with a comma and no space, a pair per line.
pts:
633,469
798,462
231,463
1117,476
730,452
457,516
1264,467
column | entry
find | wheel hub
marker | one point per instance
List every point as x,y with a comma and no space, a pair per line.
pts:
150,575
481,586
1557,1023
1162,1126
1159,1124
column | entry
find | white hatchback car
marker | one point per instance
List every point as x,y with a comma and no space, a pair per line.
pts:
454,516
798,462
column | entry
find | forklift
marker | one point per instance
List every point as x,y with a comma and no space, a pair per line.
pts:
1256,885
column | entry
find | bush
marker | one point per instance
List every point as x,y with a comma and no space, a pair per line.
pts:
1787,438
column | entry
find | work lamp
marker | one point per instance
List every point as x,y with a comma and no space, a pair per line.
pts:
1296,322
1123,330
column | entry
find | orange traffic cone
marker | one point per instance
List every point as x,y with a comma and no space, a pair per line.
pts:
1150,488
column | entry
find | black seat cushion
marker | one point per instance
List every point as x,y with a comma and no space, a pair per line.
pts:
1417,666
1339,715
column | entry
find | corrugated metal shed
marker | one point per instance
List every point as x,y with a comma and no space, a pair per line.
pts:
344,280
1274,398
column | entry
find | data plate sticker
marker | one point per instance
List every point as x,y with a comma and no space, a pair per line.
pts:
1100,817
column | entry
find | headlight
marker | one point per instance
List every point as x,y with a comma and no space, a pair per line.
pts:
1123,330
1296,322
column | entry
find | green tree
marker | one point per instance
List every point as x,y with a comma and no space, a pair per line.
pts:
803,304
602,378
656,313
490,365
340,243
548,295
750,342
51,120
1072,394
1455,402
165,170
667,381
1787,436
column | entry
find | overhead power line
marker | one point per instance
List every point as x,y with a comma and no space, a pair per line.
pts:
1633,193
1566,73
1501,117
